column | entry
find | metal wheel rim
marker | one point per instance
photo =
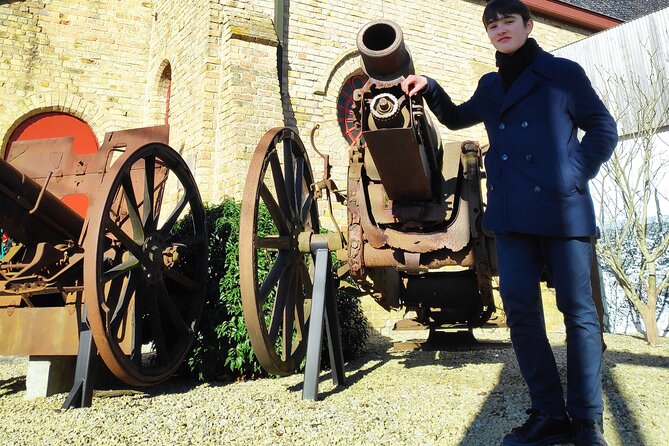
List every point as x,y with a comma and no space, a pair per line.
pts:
155,291
289,279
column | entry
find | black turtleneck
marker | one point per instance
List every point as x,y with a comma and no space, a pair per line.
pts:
511,65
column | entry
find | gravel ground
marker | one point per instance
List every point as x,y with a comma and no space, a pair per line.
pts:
453,396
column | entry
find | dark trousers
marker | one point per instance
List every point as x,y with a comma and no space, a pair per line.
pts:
521,260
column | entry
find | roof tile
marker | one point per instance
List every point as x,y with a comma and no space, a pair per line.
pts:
620,9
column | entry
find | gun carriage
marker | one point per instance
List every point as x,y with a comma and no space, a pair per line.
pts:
118,270
414,209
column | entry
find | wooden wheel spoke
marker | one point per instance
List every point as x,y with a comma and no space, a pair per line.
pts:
133,208
120,269
288,320
289,170
165,299
306,281
275,273
178,277
306,208
174,215
191,241
279,306
279,183
300,324
121,306
299,173
274,209
127,242
149,192
156,327
136,353
303,287
274,243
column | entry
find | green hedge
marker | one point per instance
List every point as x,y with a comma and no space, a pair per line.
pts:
222,349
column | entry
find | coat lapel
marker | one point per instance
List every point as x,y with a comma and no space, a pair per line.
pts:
542,65
519,89
495,91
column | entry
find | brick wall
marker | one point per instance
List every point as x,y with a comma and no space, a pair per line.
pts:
65,56
106,62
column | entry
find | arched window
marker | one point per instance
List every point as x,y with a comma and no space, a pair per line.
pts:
165,88
59,125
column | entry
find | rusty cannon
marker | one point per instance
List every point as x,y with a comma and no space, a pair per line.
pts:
115,281
414,232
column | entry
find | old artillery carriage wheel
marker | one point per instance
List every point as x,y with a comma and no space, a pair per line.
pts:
277,300
145,289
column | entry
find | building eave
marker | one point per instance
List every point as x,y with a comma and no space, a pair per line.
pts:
571,14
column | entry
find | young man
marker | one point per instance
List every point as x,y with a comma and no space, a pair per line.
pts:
541,212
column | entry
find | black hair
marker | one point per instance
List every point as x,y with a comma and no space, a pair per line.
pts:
498,9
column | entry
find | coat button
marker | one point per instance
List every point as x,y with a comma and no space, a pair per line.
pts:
491,187
502,126
524,124
505,157
528,157
537,189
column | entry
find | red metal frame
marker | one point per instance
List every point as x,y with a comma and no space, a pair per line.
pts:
345,115
58,125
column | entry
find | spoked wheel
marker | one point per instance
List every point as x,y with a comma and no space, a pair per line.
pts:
276,278
146,264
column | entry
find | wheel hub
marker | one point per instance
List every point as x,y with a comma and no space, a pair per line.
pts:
154,247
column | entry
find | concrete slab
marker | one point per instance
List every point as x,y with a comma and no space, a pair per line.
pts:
48,375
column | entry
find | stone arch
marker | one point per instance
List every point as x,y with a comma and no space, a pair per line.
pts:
341,69
347,58
329,138
53,101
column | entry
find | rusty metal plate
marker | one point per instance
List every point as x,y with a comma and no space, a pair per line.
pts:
30,214
39,331
76,173
44,331
68,172
387,211
396,153
454,238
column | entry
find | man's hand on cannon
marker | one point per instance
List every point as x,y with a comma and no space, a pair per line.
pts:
413,84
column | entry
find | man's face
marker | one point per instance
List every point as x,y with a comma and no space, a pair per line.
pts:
509,33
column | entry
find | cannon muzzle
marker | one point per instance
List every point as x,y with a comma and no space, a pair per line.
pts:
382,50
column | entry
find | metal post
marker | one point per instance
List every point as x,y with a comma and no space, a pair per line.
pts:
81,394
323,308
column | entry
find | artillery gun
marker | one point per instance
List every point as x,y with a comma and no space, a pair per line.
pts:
414,209
115,281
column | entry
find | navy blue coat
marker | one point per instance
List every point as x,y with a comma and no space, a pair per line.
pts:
537,170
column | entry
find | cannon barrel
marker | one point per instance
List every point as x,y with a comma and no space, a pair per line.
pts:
32,215
382,50
397,132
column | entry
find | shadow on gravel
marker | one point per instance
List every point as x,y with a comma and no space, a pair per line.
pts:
354,370
106,385
626,423
509,398
12,385
358,368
